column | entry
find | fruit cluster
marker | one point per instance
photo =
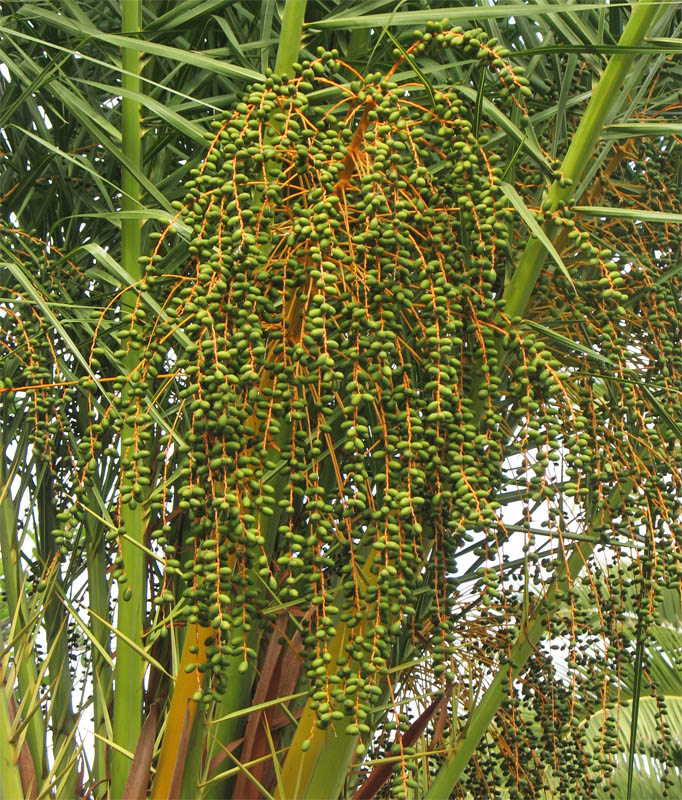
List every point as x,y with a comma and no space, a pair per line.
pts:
343,380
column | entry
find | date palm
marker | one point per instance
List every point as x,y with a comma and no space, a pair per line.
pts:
339,358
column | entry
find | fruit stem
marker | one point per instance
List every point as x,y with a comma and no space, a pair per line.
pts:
290,36
601,106
129,668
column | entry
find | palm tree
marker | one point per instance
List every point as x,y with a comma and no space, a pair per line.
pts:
338,358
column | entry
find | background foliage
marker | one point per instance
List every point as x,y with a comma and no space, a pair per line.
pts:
340,413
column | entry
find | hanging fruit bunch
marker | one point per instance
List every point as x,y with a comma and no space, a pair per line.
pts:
342,306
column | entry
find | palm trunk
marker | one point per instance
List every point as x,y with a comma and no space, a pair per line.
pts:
129,667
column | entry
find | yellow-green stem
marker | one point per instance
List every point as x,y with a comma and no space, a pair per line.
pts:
290,36
580,151
129,668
